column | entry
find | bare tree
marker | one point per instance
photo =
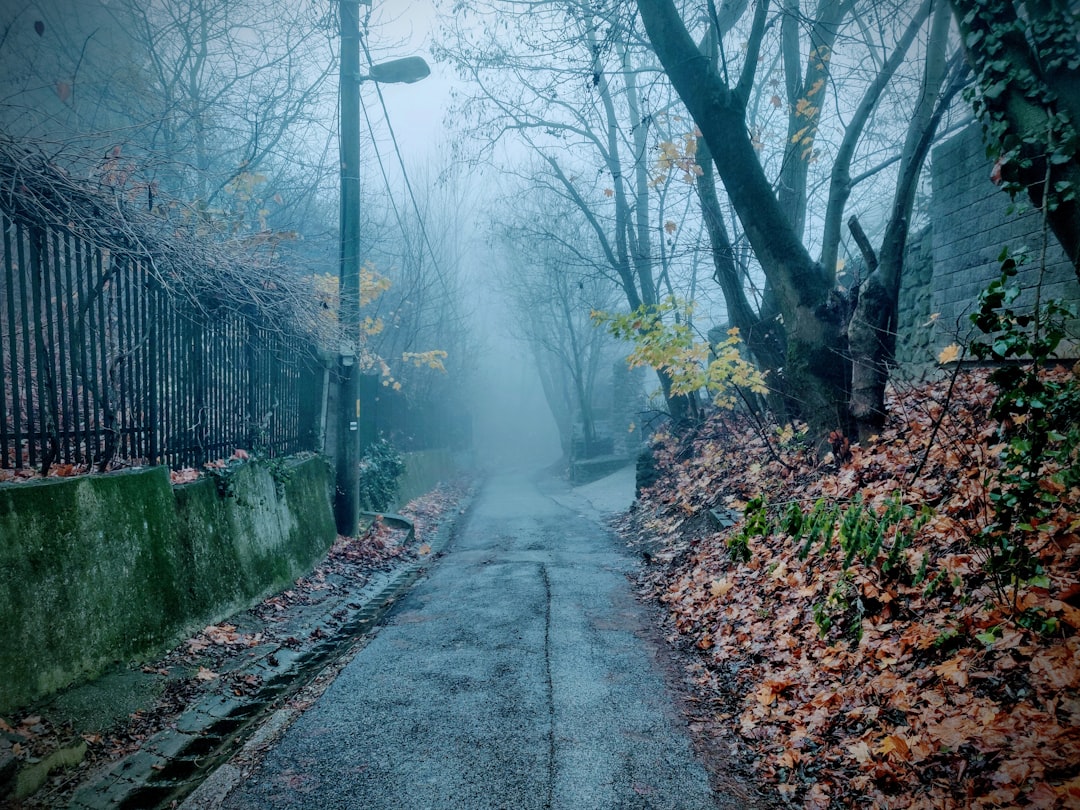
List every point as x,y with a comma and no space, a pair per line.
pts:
215,102
569,91
720,94
421,251
553,295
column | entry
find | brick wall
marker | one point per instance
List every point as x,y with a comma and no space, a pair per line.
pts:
915,332
972,222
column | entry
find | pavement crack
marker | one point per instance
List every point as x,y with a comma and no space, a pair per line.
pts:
550,801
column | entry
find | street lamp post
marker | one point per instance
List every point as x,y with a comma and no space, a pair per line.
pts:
408,70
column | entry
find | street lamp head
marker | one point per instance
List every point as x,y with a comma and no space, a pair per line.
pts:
397,71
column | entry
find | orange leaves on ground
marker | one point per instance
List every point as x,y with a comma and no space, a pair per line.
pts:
720,587
769,690
224,635
953,670
928,688
1058,666
895,745
183,476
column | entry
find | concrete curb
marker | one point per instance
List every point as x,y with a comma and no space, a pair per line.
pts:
392,519
175,761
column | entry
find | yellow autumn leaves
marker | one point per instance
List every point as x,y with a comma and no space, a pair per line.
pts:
663,340
950,354
372,285
432,359
678,155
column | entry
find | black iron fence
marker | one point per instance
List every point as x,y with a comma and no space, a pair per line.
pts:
101,366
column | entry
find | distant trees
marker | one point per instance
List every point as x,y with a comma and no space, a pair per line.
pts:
216,104
802,117
562,80
217,119
552,293
424,315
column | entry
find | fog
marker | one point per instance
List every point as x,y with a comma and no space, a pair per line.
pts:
514,428
544,172
513,425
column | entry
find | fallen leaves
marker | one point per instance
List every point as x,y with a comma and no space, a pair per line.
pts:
184,475
953,670
927,689
222,635
720,587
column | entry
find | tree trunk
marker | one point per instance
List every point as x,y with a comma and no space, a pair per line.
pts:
840,184
764,338
814,316
872,331
805,97
555,391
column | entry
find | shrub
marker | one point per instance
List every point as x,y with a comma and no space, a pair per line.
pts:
381,467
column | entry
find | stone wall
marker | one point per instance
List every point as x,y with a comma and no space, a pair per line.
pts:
972,221
112,568
425,470
915,333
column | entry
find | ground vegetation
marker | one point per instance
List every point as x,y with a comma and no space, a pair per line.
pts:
898,624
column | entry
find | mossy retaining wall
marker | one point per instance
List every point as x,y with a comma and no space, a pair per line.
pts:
424,470
101,569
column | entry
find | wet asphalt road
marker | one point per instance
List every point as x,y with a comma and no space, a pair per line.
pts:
514,676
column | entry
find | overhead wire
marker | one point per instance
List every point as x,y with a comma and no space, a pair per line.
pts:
404,173
382,166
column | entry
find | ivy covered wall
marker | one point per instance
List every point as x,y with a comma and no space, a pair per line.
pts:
972,220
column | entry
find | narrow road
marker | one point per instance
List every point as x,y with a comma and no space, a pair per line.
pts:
514,676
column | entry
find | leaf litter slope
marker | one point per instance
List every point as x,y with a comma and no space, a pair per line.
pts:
854,683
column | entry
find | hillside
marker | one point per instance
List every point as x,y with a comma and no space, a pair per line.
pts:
859,631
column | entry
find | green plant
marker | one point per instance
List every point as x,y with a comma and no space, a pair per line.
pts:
815,526
1021,63
842,603
1039,418
223,472
989,636
381,466
877,541
860,531
281,471
755,524
1037,620
935,584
